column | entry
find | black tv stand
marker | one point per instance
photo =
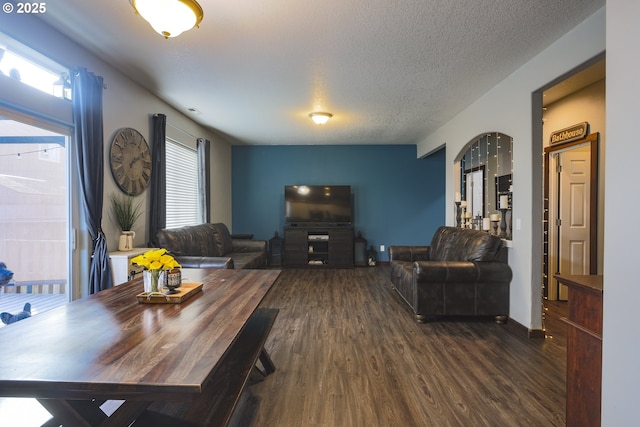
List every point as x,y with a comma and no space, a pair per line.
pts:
318,246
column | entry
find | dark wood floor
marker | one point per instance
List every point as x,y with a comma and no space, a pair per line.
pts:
348,353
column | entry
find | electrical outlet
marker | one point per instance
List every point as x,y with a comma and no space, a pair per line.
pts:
381,248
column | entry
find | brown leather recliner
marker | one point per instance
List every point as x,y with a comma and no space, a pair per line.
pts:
462,273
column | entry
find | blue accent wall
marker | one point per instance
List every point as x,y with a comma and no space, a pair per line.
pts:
398,199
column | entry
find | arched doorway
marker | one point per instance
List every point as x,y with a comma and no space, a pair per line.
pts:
483,183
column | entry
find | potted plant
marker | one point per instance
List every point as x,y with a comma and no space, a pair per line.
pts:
125,213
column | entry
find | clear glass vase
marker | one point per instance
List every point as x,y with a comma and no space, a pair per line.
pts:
154,280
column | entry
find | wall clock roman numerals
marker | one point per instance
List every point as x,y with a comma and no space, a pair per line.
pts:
130,161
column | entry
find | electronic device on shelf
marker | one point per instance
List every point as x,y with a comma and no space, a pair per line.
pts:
318,205
318,237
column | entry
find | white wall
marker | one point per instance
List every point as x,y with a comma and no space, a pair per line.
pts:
621,352
507,108
125,104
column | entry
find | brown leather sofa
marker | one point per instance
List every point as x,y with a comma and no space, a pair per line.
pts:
462,273
212,246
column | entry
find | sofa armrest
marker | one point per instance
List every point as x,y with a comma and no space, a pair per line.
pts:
205,262
242,236
244,245
409,253
461,271
494,271
445,271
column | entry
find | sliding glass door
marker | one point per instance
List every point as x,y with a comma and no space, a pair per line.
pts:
34,212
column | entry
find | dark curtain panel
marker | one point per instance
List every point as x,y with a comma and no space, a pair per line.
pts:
158,186
204,178
89,158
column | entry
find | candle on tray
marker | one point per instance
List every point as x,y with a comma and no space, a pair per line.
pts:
494,217
463,204
486,224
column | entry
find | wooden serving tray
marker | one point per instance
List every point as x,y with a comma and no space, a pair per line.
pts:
185,291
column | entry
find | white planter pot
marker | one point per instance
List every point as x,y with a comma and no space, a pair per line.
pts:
125,243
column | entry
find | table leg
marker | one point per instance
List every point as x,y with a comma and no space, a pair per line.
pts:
87,413
71,413
267,363
126,413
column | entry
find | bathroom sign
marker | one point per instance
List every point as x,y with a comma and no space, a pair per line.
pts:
572,133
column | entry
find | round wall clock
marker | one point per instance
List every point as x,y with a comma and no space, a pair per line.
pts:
130,161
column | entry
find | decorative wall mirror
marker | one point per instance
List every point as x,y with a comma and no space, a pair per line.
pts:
474,190
483,183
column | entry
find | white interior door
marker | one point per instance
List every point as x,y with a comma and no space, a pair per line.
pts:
574,213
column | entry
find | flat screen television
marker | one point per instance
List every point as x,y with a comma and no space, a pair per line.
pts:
317,204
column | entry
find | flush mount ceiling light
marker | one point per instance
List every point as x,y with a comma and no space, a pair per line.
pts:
169,18
320,118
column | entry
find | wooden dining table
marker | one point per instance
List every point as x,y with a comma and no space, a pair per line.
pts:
111,347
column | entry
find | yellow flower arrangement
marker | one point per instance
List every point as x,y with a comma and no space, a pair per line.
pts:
156,260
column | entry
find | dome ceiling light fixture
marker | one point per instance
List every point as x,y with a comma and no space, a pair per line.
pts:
169,18
320,118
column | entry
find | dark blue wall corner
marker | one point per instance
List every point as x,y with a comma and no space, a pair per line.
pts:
398,199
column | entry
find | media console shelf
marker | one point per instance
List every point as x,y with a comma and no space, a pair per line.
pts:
329,247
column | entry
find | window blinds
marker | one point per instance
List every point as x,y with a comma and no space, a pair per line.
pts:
182,185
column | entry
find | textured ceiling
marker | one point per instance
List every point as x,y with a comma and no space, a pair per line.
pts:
390,71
